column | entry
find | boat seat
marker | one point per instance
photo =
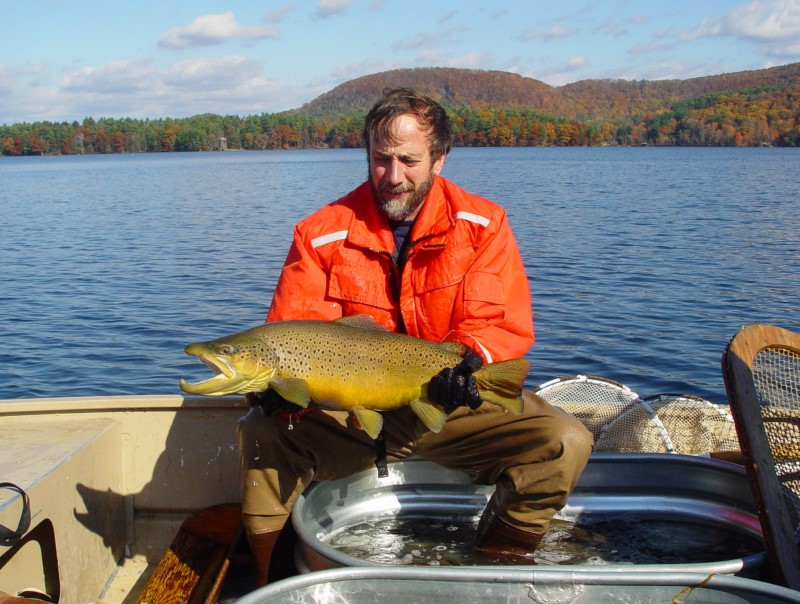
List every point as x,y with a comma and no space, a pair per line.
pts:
761,369
193,569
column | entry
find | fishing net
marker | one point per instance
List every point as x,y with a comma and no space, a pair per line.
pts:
776,373
596,401
623,422
761,366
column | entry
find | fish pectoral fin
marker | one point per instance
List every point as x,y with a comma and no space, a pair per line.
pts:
293,390
371,421
429,414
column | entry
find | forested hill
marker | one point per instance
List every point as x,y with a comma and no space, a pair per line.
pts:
605,99
587,99
488,108
453,88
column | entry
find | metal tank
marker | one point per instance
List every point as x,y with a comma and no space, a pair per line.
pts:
629,513
422,585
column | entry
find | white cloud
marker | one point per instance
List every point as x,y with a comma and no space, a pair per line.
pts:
209,30
226,85
7,85
662,70
421,40
674,70
350,71
577,62
328,8
641,49
430,39
471,60
774,25
767,20
558,75
32,75
557,31
279,13
116,77
430,56
447,16
213,72
619,26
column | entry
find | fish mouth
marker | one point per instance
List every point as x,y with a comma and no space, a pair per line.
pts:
225,380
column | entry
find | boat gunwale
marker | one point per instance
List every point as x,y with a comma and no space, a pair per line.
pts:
115,403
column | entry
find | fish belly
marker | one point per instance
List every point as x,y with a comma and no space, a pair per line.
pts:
350,367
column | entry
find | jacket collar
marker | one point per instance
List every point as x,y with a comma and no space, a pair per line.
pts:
369,228
435,218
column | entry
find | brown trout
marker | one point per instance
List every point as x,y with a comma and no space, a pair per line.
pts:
349,364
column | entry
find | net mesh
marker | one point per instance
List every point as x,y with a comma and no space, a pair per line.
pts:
623,422
776,374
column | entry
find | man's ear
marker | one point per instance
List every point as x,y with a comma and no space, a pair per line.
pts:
439,164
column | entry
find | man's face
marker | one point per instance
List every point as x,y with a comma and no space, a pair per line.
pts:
401,170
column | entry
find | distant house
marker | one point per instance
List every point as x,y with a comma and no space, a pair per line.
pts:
222,144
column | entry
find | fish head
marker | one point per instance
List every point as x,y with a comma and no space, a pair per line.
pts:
241,363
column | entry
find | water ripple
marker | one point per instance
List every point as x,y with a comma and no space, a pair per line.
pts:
642,262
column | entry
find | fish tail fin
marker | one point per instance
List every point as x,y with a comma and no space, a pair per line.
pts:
429,414
501,383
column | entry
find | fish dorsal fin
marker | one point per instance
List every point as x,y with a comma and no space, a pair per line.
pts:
362,321
371,421
429,414
293,390
453,346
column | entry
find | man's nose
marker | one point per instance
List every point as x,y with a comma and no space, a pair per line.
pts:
394,172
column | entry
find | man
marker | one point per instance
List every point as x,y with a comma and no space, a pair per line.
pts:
423,257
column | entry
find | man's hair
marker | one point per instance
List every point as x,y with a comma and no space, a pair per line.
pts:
404,101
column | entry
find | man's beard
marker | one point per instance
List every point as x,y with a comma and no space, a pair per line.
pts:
401,209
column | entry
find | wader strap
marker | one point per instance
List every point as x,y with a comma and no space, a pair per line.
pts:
7,536
380,455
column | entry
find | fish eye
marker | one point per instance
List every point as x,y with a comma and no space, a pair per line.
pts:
227,349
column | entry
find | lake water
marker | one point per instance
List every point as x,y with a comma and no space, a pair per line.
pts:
643,261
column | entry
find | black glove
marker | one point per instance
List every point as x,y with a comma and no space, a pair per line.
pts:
271,402
455,387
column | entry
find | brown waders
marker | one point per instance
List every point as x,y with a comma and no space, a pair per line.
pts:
534,459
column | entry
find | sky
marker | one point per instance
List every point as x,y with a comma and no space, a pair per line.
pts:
64,60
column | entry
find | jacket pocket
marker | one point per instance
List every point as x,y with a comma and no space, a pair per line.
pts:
444,269
484,296
363,284
484,287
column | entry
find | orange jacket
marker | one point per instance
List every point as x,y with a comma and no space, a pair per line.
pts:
463,278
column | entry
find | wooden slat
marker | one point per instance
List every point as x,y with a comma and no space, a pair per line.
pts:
776,518
193,569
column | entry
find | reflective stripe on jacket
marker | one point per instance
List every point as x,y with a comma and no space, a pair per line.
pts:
462,279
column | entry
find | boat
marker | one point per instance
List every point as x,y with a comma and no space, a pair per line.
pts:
122,499
109,482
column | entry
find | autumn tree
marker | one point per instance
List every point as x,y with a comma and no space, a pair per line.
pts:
486,109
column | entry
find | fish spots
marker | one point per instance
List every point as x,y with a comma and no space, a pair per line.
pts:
336,365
